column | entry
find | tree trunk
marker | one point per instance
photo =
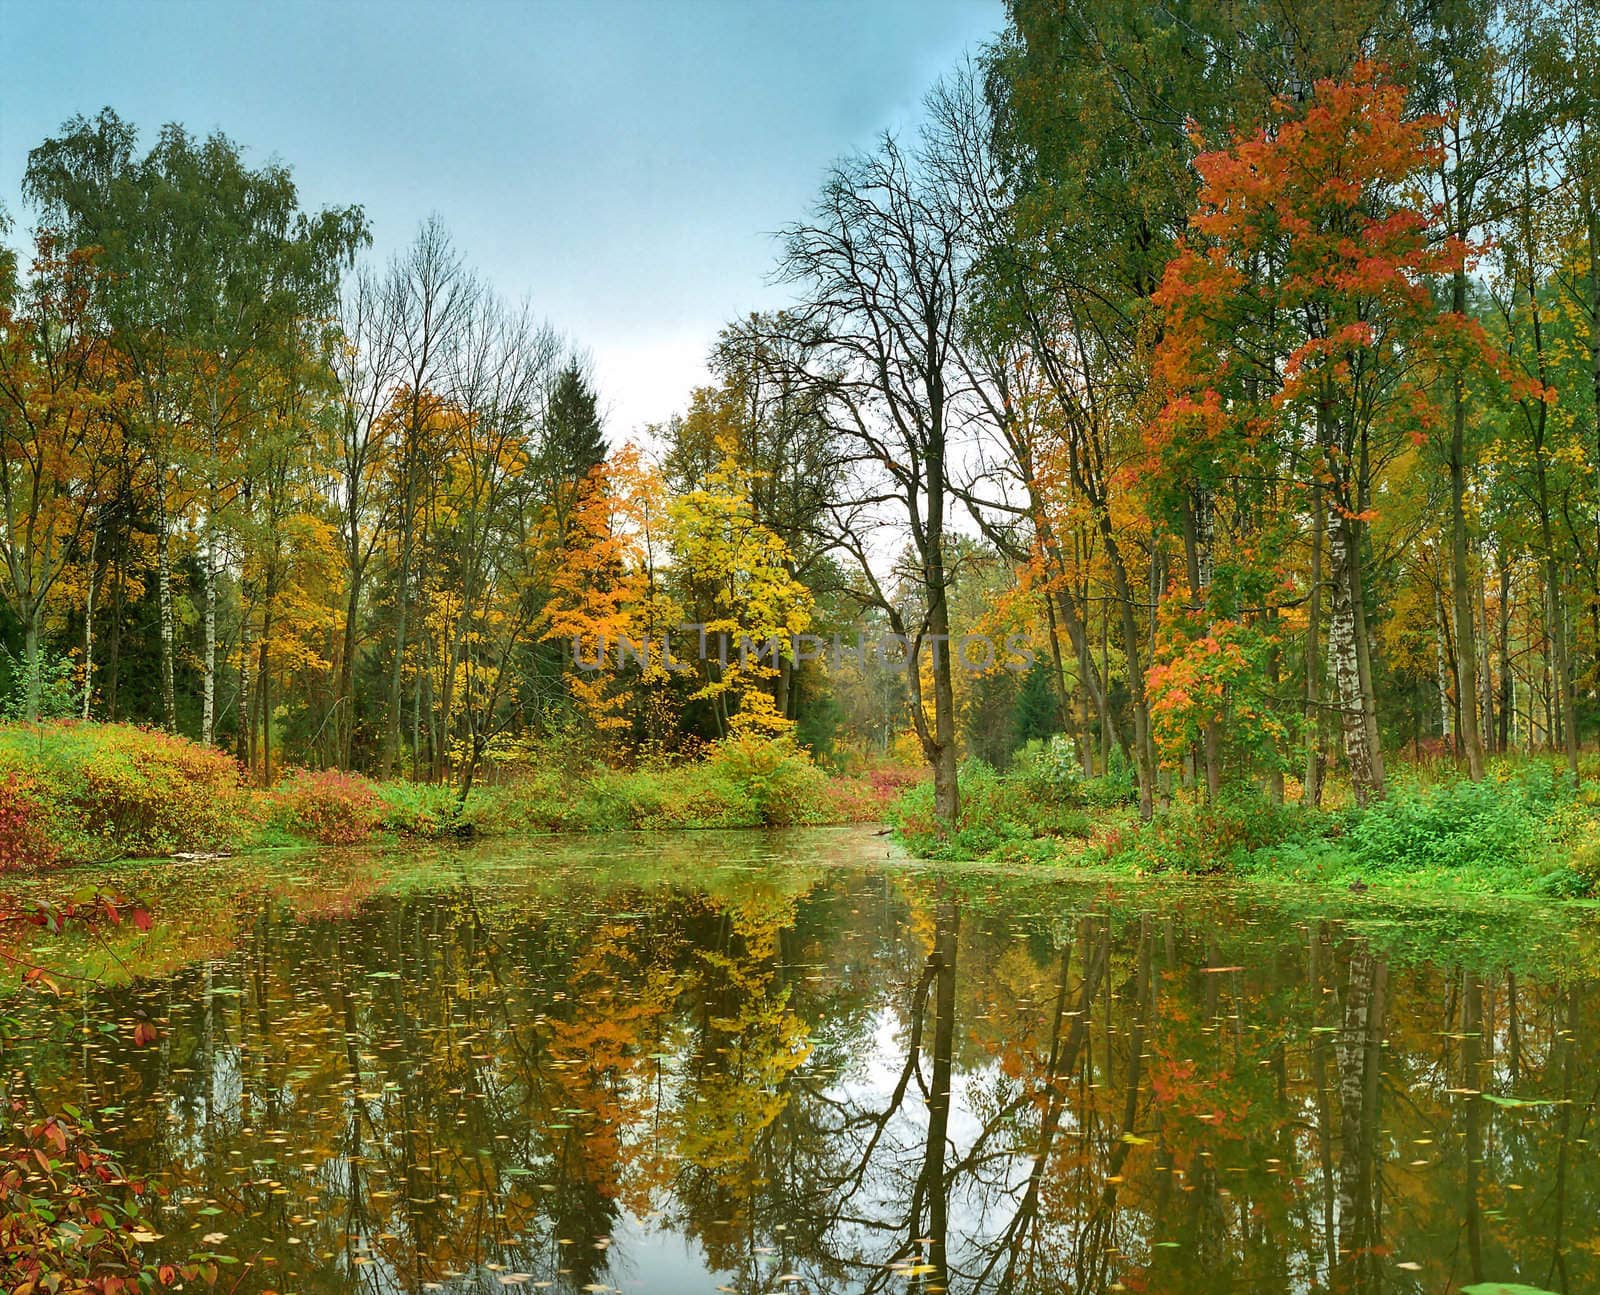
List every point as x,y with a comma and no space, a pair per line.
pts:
1565,704
1460,576
1130,646
208,665
245,741
1566,708
345,699
114,647
1092,677
169,704
1311,793
264,688
1196,527
1443,664
31,663
942,751
1344,652
88,627
1507,685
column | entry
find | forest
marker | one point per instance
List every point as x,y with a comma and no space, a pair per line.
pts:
1240,365
1124,632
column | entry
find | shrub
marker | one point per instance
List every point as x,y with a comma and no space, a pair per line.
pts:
682,796
1051,770
995,811
329,806
24,827
1196,837
745,781
418,809
1454,825
110,790
775,775
47,679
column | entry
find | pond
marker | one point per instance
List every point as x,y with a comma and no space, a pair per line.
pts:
792,1062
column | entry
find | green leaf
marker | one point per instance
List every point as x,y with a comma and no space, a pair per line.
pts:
1520,1101
1504,1288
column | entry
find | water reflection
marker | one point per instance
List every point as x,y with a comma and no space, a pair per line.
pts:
702,1065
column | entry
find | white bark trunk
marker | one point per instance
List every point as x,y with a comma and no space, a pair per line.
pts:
164,598
208,702
1343,657
88,626
1441,669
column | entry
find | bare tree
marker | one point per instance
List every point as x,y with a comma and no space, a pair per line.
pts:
881,267
429,296
366,364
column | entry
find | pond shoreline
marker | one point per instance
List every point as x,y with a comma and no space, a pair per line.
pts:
865,845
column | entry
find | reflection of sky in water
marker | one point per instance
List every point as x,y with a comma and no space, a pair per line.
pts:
672,1064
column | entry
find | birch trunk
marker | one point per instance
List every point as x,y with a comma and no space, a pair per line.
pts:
208,665
88,626
169,705
1344,658
1312,792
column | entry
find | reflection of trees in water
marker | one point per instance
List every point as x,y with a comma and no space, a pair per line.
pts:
861,1080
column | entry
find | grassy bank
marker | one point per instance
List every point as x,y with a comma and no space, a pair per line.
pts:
79,793
1525,829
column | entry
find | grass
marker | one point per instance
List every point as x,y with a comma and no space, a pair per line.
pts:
1034,812
79,792
1524,830
74,792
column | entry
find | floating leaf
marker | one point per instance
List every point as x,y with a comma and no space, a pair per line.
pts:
1521,1101
1504,1288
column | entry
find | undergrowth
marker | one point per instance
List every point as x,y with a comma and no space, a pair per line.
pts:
1524,829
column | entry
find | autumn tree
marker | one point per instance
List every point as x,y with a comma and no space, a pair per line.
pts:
736,578
204,300
63,390
1296,311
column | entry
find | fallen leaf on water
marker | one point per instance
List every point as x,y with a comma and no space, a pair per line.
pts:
1503,1288
1522,1101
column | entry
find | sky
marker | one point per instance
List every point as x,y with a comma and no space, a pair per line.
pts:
622,164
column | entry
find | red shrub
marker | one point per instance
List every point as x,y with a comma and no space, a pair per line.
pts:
331,807
24,828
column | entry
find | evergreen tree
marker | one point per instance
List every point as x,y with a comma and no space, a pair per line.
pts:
574,443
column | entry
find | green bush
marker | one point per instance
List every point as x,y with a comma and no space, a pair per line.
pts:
1498,824
996,810
108,791
1051,770
776,776
1197,837
419,809
743,782
678,797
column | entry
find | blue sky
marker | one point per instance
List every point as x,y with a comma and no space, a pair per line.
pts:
622,163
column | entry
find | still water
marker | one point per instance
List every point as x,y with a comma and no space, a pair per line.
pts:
788,1062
